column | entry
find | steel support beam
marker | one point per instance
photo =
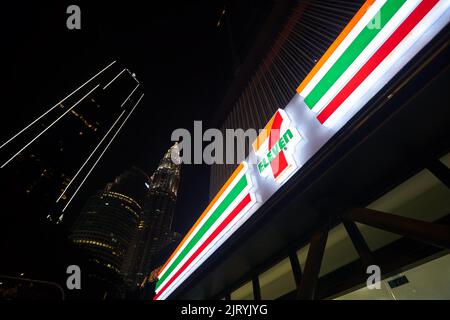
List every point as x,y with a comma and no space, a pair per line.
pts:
440,171
256,288
427,232
359,243
296,268
310,275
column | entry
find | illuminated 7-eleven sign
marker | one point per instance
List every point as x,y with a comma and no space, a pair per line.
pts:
378,42
274,147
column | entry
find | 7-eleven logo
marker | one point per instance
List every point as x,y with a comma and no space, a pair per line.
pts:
275,145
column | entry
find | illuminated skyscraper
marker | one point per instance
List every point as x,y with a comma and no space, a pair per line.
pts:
108,223
154,231
163,191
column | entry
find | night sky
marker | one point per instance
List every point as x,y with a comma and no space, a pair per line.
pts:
176,50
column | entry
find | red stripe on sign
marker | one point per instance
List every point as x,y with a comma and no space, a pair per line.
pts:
211,237
279,163
402,31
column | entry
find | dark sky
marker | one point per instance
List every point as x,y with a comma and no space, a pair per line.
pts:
179,54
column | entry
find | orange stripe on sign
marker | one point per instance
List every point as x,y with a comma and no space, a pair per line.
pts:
262,136
217,196
335,44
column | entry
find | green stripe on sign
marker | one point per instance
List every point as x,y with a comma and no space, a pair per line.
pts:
367,34
242,183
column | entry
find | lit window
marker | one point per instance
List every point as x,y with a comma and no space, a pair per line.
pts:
277,281
243,293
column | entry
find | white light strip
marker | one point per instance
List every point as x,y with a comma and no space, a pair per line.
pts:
42,115
104,150
360,25
88,158
114,79
217,242
222,217
134,77
206,217
203,221
129,96
51,125
367,53
216,224
207,251
418,38
235,224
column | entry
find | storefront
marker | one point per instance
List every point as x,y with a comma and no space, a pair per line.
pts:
352,172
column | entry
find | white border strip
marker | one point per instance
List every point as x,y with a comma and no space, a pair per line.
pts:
205,218
417,39
367,53
360,25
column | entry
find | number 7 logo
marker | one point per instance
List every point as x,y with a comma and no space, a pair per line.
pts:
275,145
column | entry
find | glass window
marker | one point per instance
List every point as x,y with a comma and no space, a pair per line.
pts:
339,250
277,281
243,293
301,255
446,160
430,280
422,197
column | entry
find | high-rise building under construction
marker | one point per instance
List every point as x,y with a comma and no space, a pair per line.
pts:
50,158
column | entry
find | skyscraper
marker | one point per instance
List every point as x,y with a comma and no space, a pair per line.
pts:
48,160
109,221
45,162
155,228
